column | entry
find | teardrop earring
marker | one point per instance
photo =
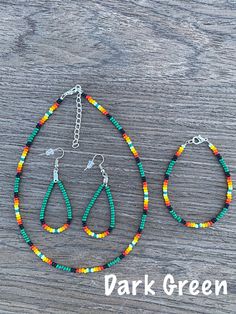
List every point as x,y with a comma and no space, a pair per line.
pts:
102,186
54,181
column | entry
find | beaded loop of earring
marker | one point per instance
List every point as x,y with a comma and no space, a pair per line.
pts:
128,249
54,181
101,187
191,224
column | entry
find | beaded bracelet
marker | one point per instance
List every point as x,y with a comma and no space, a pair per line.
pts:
25,153
198,140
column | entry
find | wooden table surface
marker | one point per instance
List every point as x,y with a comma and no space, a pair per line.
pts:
166,70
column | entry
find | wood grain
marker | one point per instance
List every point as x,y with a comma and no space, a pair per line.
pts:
166,71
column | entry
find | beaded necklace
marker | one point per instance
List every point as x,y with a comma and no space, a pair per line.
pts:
24,154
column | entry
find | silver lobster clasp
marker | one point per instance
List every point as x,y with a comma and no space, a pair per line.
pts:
197,140
76,89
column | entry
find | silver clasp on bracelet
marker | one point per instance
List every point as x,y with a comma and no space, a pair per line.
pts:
197,140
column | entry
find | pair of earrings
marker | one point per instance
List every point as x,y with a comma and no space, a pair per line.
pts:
103,186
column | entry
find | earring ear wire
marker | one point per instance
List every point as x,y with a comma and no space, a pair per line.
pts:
51,151
91,163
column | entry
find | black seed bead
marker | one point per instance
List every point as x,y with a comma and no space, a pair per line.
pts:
21,226
105,266
110,229
169,207
18,174
84,95
73,270
226,205
227,174
84,223
183,221
42,221
218,156
144,212
167,176
175,158
144,179
137,159
213,220
28,144
140,230
30,243
121,256
122,131
59,101
38,126
68,221
16,194
54,264
108,116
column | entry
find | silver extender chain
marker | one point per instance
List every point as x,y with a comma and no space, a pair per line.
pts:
75,143
76,90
